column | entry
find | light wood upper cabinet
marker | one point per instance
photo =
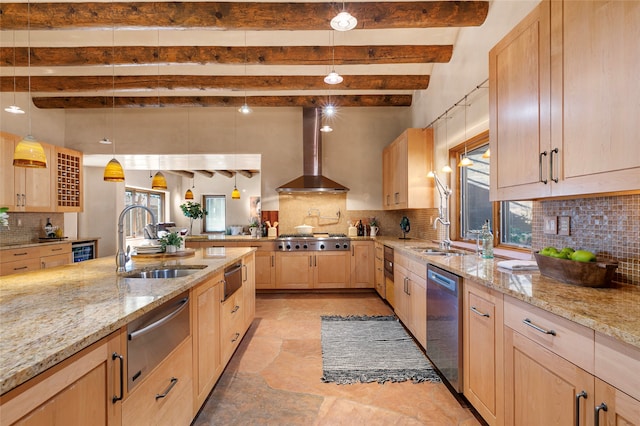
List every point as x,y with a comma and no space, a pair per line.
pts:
25,189
405,164
483,351
78,391
560,120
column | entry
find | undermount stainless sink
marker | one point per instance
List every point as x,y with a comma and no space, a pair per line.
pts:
438,252
164,273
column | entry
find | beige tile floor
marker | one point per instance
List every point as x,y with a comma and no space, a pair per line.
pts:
274,376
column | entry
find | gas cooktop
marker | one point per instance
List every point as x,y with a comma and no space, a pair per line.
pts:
316,242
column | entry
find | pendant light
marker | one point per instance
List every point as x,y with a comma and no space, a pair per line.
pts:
487,153
465,161
159,181
113,171
447,167
344,21
333,77
245,109
13,108
189,194
235,194
29,152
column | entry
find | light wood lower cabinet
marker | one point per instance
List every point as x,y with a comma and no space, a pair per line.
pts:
34,258
410,296
165,397
249,289
232,324
207,360
327,269
614,407
265,269
362,264
78,391
483,351
379,270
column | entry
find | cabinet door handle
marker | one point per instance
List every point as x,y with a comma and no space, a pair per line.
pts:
551,168
273,261
246,273
166,392
602,407
476,311
582,394
396,197
408,287
235,337
528,322
235,309
115,356
310,262
542,154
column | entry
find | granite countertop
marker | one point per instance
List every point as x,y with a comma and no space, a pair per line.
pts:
47,316
44,242
613,311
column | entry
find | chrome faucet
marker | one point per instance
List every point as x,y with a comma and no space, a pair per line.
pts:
123,257
443,210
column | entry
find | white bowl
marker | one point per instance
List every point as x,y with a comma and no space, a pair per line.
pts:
304,229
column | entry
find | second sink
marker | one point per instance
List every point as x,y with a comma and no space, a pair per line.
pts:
171,272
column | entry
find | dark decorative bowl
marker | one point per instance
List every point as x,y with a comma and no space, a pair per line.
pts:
591,274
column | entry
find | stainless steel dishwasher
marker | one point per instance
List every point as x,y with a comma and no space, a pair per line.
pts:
444,324
154,335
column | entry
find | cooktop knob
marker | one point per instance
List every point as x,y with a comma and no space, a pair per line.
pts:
304,246
288,246
297,246
337,246
346,246
321,246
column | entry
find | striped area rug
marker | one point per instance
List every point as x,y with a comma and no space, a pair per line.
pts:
371,349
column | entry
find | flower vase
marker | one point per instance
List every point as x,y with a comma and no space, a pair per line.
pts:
374,230
170,249
254,231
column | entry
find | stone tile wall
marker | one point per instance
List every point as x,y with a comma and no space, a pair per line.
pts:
25,228
606,226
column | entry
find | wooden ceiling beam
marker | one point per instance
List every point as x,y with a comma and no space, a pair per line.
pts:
206,173
221,101
184,173
247,173
198,82
227,173
255,55
240,15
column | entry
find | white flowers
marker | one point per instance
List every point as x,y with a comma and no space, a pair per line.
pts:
4,217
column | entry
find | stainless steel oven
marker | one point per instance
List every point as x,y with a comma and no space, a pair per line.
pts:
444,324
154,335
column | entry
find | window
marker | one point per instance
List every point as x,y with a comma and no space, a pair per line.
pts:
514,217
137,219
214,220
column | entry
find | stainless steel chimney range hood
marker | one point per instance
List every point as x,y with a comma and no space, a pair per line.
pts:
312,180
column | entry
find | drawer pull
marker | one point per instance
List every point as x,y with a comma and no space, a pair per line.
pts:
115,356
528,322
602,407
21,254
19,268
476,311
235,337
56,249
166,392
235,309
582,394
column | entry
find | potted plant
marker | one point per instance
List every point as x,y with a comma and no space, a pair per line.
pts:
192,211
373,224
170,242
253,226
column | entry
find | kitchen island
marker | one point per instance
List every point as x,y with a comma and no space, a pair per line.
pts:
49,315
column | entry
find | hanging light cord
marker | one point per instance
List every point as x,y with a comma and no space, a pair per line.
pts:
463,99
29,59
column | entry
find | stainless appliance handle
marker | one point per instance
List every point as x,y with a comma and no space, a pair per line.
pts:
582,394
156,324
442,280
166,392
528,322
476,311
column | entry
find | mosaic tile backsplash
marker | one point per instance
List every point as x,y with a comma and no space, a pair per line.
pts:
26,228
606,226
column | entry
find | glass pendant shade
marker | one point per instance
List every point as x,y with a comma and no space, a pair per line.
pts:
29,153
333,78
447,169
188,195
344,21
159,181
326,128
465,162
235,194
487,154
245,109
113,171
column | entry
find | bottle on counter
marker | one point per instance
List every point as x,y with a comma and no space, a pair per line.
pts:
48,229
487,241
360,229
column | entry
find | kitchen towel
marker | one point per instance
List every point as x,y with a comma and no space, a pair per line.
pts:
518,265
